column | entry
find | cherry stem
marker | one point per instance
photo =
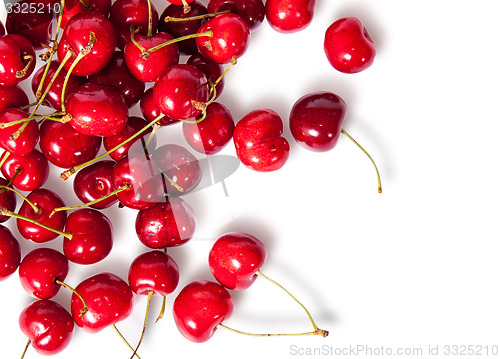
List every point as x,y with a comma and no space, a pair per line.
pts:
150,295
66,174
125,340
179,188
134,30
198,17
6,212
121,189
5,155
323,333
22,73
28,106
145,53
85,4
162,310
28,119
187,8
156,127
85,308
150,19
59,21
26,348
7,188
370,157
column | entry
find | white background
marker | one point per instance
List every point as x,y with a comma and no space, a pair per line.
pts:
412,267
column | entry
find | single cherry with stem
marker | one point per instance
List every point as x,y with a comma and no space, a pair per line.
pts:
17,57
24,143
26,173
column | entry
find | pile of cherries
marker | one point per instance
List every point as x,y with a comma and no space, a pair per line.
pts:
99,59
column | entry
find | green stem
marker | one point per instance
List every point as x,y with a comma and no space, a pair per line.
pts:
150,19
26,348
22,73
133,30
146,53
150,295
5,156
85,308
162,310
125,340
323,333
7,188
198,17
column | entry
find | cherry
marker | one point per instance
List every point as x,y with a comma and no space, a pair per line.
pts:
118,75
182,2
168,224
45,201
235,260
94,182
252,11
150,111
212,70
48,326
182,28
40,269
200,307
180,90
17,57
97,110
64,147
230,38
27,173
258,141
288,16
7,199
26,141
12,96
109,300
74,7
212,134
10,253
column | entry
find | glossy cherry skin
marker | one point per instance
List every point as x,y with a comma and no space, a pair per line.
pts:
200,307
168,224
177,88
7,199
33,170
153,271
64,147
118,75
96,181
348,46
13,49
252,11
259,142
150,111
150,69
32,25
288,16
39,271
230,38
235,259
212,134
76,36
12,96
10,253
53,98
46,201
92,239
97,110
182,28
181,168
28,139
75,7
212,70
316,120
48,326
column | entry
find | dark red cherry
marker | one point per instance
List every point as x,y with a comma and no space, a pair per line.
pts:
30,171
153,271
91,236
235,259
230,38
212,70
18,59
183,28
289,16
178,89
48,326
96,181
64,147
46,201
10,253
109,300
54,95
77,35
28,139
118,75
2,29
212,134
150,68
7,199
12,96
348,46
252,11
316,120
97,110
168,224
39,271
259,142
150,111
200,307
33,25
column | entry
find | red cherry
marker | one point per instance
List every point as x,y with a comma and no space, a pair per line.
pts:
212,70
109,300
30,171
235,259
48,326
348,46
97,110
316,120
168,224
230,38
26,141
39,271
212,134
200,307
10,253
32,25
7,199
91,236
252,11
258,141
94,182
150,111
13,96
17,57
75,7
289,16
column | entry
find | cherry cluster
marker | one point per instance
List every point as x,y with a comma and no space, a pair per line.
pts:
97,59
